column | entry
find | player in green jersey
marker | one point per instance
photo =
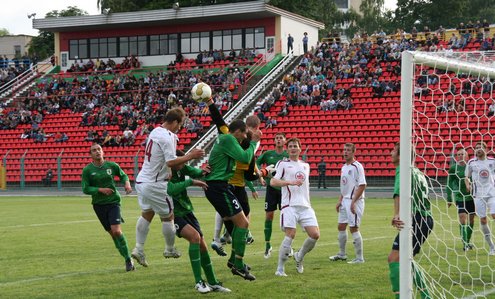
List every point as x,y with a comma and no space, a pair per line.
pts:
98,181
273,194
226,151
422,223
456,190
187,225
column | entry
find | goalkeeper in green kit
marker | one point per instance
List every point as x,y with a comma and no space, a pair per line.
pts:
98,181
456,190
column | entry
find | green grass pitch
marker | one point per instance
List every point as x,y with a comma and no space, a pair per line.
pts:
54,247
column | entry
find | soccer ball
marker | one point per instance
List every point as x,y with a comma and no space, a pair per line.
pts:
201,92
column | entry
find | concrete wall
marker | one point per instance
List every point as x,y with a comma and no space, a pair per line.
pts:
8,43
296,30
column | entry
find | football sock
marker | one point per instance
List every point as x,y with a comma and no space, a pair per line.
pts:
488,235
195,259
283,253
358,244
464,233
342,241
394,278
239,244
420,283
168,230
218,228
208,268
268,232
307,246
142,229
470,231
121,244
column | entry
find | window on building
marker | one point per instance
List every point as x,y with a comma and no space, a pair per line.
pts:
217,40
344,4
205,41
249,37
83,48
194,43
93,48
133,45
112,47
227,39
237,39
103,47
17,51
73,49
142,46
259,37
123,46
185,42
173,44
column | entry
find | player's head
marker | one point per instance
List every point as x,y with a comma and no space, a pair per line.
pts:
280,139
480,149
238,129
461,156
294,147
253,122
96,152
174,119
395,154
349,151
179,153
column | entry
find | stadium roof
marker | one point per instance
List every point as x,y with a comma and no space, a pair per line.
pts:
183,15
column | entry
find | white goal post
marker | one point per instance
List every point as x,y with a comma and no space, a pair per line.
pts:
434,121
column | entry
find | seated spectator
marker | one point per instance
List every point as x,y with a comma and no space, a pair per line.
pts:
26,134
270,122
127,137
61,137
491,109
90,137
261,116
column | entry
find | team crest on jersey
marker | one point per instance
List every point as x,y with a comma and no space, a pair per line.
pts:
109,171
350,172
484,173
300,175
344,181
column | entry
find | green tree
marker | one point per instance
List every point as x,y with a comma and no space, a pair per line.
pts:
4,31
42,46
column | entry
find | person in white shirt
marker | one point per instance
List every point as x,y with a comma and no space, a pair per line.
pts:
351,204
292,175
152,180
480,181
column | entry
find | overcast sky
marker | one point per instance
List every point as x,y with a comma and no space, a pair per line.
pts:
13,13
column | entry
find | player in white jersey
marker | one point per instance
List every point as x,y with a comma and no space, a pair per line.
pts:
151,183
292,175
351,204
480,181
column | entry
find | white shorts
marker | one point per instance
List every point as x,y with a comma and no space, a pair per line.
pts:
291,216
346,216
153,196
483,205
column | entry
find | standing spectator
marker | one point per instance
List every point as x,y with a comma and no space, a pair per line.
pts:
422,223
322,169
290,44
151,183
456,190
293,175
479,172
305,42
351,204
98,181
47,180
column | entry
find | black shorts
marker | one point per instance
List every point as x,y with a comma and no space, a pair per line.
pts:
241,194
181,222
465,207
422,227
273,199
220,195
108,215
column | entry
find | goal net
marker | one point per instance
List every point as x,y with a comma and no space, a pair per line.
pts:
446,105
